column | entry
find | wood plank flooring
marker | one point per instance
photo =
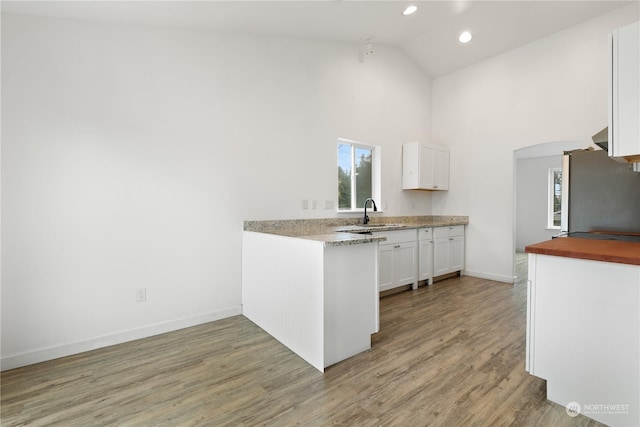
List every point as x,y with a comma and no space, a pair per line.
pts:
449,354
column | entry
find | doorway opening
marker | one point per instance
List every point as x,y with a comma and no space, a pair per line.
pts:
535,208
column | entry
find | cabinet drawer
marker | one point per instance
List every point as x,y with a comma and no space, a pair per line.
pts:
425,233
397,236
454,230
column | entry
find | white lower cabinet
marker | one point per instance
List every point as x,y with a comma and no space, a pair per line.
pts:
322,302
448,249
397,259
425,254
385,267
409,256
583,329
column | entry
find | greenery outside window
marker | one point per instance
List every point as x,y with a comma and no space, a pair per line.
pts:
358,174
554,211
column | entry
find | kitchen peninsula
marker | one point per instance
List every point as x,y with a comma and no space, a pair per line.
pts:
313,284
583,325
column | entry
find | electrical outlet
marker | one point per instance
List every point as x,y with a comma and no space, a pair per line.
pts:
141,294
314,204
328,204
305,204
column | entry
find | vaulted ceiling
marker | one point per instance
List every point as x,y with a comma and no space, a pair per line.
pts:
429,36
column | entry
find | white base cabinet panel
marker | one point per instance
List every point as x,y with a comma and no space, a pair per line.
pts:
410,256
385,267
397,259
425,254
320,302
351,310
583,335
448,251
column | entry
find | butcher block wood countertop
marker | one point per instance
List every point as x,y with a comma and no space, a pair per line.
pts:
597,250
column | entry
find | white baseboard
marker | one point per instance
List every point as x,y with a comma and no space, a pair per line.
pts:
54,352
489,276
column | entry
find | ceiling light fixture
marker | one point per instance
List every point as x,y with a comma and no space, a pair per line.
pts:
411,9
367,47
465,37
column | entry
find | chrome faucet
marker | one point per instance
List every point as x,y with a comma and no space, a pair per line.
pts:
365,220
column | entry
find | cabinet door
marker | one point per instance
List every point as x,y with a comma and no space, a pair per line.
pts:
425,166
404,266
441,256
427,160
624,126
441,169
385,267
456,253
425,259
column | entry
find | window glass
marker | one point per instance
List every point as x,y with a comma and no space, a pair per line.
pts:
555,198
344,176
363,174
357,174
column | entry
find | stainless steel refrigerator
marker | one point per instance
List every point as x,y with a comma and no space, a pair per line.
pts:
599,193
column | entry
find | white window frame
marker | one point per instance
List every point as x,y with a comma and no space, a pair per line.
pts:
550,197
376,178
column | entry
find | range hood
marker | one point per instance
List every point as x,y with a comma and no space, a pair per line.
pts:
601,139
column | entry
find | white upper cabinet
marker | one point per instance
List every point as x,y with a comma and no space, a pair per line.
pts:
624,93
425,166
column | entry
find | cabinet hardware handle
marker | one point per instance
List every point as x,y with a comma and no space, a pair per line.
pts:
435,186
397,246
450,238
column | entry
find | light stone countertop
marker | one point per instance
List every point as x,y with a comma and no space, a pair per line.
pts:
349,231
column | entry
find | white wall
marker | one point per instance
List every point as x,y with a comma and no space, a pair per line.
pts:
532,197
553,89
131,155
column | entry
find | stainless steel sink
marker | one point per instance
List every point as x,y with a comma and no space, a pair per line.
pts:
364,228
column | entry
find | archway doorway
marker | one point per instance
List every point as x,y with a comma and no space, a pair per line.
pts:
531,166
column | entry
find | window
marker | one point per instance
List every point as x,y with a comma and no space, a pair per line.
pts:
555,198
358,174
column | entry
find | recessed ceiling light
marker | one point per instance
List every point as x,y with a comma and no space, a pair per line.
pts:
410,10
465,37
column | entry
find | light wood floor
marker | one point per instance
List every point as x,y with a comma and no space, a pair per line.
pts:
522,267
448,354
